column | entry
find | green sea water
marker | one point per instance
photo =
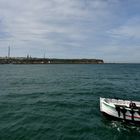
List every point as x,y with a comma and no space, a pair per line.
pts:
61,102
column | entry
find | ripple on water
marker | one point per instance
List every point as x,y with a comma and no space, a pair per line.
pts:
62,101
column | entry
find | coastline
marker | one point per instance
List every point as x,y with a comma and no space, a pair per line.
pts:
29,60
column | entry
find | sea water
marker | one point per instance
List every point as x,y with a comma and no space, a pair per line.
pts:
61,102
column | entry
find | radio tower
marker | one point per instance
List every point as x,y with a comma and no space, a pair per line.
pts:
9,52
45,54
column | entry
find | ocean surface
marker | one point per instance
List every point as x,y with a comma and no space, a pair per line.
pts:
61,102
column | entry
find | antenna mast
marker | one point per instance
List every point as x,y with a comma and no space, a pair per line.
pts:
45,54
9,52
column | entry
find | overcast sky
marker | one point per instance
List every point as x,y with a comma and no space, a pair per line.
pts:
105,29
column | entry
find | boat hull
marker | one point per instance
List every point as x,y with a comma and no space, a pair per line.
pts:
125,114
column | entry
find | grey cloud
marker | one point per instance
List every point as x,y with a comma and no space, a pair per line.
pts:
87,25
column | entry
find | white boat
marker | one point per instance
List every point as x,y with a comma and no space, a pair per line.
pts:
118,109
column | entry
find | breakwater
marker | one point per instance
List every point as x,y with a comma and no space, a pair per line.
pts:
22,60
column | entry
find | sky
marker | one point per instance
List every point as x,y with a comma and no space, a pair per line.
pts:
101,29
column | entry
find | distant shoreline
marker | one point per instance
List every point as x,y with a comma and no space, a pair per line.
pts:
29,60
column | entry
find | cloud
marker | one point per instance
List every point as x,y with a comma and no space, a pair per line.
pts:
129,30
69,28
38,19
